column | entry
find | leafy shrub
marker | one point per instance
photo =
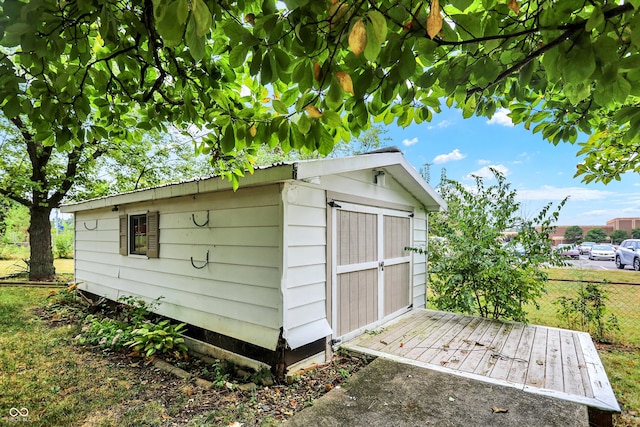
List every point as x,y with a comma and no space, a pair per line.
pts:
105,333
162,337
135,310
587,312
63,245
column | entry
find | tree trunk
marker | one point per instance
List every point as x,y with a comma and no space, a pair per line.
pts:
41,263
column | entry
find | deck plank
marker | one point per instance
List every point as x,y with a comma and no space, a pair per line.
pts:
507,355
394,342
481,347
553,365
522,357
469,344
570,365
537,359
535,374
490,358
430,338
381,337
439,352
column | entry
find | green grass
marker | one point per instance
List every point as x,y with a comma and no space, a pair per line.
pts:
43,371
11,266
623,370
623,300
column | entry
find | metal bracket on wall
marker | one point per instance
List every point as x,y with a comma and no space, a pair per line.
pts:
193,218
90,229
203,265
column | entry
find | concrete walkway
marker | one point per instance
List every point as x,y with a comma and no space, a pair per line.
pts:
388,393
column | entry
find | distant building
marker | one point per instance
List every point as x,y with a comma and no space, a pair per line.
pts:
626,224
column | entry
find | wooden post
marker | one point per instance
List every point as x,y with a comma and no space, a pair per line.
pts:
600,418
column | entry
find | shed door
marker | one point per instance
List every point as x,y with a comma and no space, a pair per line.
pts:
371,268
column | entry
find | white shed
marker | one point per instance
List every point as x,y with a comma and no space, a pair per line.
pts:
304,254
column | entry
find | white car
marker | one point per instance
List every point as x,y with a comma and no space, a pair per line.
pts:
604,252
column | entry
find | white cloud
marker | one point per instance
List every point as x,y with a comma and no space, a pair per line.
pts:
409,142
452,156
485,172
441,125
484,162
501,118
549,192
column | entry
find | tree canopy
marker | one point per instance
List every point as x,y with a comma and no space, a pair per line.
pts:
595,235
471,268
304,75
573,234
617,236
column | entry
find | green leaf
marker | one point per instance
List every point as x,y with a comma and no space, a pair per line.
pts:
304,123
580,65
406,65
379,23
621,89
595,20
182,11
169,27
202,17
238,55
372,49
331,119
12,107
228,142
279,106
194,42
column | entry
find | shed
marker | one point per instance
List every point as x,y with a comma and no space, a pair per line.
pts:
304,254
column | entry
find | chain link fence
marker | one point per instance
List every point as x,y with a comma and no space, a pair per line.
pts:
609,312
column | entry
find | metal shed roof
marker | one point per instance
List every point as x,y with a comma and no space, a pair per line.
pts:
391,161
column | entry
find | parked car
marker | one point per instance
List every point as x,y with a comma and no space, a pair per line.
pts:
585,247
567,250
605,252
629,254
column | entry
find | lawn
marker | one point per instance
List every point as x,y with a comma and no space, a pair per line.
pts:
12,266
47,379
56,382
623,300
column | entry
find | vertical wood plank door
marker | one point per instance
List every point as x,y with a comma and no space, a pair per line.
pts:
397,263
372,268
357,262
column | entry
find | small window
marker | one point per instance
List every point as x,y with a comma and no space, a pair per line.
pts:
139,234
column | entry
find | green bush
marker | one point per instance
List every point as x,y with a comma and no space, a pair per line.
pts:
63,245
587,312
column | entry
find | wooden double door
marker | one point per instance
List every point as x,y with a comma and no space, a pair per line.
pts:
371,268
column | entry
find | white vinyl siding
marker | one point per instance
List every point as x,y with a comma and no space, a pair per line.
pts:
305,243
419,261
237,294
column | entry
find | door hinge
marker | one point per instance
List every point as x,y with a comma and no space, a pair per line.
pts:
381,265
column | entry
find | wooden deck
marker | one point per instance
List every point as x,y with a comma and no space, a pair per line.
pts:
537,359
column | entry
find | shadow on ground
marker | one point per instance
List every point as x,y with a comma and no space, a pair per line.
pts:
387,393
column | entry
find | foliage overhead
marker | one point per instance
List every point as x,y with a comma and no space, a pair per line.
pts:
573,234
471,268
304,74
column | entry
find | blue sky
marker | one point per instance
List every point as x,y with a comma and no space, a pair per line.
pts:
539,171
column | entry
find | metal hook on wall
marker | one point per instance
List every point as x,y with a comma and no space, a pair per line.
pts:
90,229
202,266
193,218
